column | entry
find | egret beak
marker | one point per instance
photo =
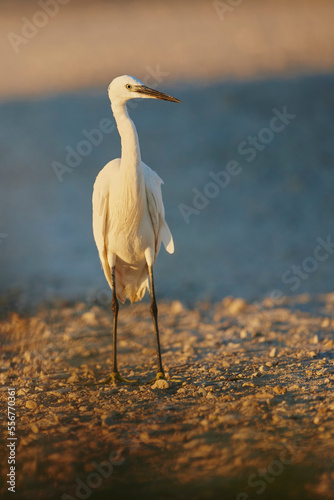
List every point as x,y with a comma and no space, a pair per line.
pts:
154,94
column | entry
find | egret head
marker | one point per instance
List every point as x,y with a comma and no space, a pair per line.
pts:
127,87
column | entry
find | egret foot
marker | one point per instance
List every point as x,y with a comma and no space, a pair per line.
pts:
116,377
161,375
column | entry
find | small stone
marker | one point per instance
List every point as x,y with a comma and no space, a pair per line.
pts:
325,323
177,307
47,333
89,317
73,379
210,395
235,306
63,429
160,384
32,405
316,420
27,356
279,390
243,333
34,428
202,392
273,352
315,339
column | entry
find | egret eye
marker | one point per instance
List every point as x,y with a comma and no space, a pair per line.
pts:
128,86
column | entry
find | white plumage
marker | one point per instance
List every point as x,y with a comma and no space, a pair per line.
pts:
125,226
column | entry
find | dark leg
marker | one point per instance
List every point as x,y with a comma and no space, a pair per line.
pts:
115,376
154,312
115,308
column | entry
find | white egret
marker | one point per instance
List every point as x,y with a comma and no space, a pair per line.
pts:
128,214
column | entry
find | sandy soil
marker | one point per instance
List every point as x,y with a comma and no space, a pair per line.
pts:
248,412
88,43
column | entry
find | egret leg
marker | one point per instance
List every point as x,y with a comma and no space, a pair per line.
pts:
115,375
154,312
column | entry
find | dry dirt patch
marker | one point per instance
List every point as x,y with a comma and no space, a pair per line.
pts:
250,417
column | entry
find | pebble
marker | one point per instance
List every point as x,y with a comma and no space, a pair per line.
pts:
90,318
279,390
63,429
235,306
47,334
177,307
21,392
325,323
315,339
243,333
73,379
32,405
27,356
210,395
273,352
160,384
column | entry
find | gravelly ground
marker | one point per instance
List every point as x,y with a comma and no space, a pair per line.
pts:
248,412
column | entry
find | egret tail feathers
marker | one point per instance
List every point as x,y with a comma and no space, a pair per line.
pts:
166,237
129,285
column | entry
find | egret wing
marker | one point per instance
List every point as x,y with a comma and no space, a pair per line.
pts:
156,209
101,214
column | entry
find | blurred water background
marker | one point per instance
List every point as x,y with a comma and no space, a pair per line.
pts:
235,67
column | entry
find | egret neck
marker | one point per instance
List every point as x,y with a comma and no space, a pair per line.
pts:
131,169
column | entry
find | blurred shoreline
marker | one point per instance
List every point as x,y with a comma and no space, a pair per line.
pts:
80,45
